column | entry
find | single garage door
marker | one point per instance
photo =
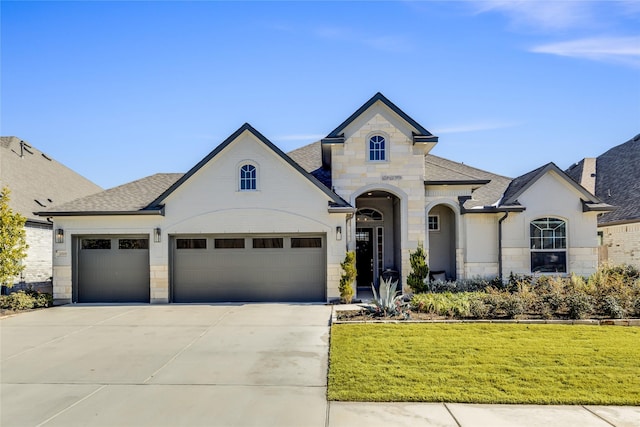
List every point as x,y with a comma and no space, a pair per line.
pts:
112,269
222,268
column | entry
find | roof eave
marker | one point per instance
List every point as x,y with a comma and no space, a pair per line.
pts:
342,209
493,209
597,207
143,212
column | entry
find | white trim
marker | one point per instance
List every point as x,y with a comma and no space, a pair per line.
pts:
239,166
387,142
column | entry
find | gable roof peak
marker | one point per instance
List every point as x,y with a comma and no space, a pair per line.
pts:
520,184
375,98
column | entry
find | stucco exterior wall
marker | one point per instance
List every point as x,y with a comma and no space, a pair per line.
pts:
210,202
622,243
481,245
551,196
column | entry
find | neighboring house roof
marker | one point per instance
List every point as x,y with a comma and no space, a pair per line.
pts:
36,180
133,197
617,181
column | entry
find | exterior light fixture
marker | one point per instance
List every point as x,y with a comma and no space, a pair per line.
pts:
338,233
157,235
59,235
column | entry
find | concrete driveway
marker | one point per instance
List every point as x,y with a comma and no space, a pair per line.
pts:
169,365
211,365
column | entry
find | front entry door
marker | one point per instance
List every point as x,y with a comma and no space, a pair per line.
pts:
364,257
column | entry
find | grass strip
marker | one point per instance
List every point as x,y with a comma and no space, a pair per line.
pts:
485,363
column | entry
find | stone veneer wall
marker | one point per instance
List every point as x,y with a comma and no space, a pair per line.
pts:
403,170
622,243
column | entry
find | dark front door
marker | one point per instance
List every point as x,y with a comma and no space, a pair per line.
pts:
364,257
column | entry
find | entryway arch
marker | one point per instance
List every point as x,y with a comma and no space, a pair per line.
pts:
378,234
442,239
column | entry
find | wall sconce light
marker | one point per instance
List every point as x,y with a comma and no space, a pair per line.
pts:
338,233
157,235
59,235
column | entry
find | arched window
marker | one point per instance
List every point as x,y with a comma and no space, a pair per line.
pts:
248,177
377,148
548,245
367,214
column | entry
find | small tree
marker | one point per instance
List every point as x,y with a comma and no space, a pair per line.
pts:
13,244
348,277
419,270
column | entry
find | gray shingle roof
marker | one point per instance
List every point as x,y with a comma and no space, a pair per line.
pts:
131,197
309,158
617,181
36,180
439,169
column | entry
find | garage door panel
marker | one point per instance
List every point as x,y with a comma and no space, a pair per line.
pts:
249,274
112,275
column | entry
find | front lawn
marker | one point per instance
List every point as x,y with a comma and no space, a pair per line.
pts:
485,363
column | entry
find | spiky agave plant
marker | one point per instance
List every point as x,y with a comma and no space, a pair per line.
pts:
389,301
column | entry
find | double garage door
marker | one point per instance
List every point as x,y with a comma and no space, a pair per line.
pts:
217,268
204,268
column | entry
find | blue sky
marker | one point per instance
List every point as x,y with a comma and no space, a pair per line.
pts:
121,90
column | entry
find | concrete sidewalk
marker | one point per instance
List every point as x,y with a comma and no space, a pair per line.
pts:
210,365
346,414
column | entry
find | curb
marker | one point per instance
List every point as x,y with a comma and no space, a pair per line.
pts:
593,322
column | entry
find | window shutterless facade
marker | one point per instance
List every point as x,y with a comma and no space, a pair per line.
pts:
248,177
377,148
548,238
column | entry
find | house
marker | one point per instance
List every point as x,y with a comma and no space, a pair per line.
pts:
614,177
36,182
251,223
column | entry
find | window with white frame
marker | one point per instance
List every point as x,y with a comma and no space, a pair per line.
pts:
248,177
377,148
434,222
548,245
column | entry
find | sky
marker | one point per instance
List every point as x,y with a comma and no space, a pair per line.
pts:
121,90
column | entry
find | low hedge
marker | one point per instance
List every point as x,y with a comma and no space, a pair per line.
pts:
25,300
611,292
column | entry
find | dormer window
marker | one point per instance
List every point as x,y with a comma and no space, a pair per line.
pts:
377,148
248,177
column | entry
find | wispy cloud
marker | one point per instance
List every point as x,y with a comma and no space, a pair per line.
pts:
299,137
545,15
385,42
475,126
622,50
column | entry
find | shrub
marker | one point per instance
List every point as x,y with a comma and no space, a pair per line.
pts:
474,284
417,278
348,276
610,307
444,304
579,305
477,308
17,301
513,305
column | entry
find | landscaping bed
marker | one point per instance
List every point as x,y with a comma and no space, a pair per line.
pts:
610,293
21,301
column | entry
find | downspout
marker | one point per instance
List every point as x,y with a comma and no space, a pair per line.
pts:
506,214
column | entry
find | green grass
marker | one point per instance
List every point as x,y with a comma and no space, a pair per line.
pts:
485,363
